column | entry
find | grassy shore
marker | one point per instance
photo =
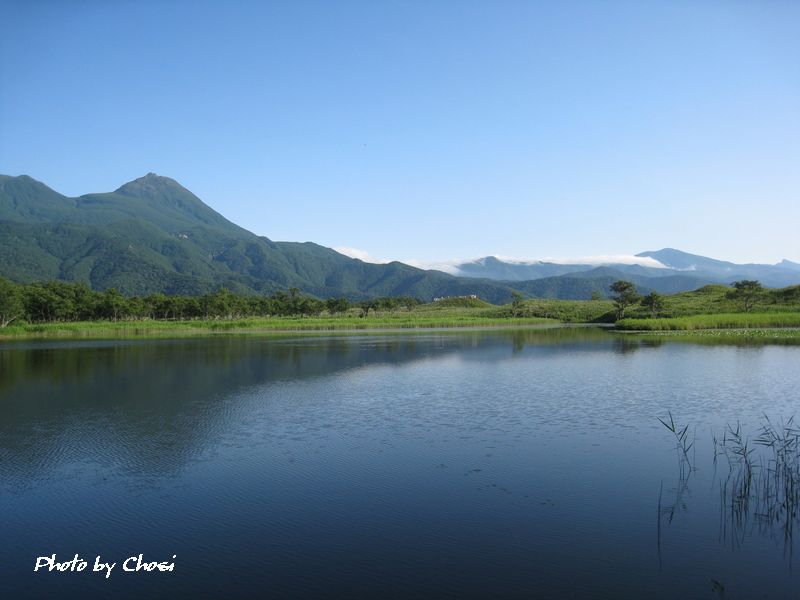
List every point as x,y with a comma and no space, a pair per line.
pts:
714,321
706,309
152,328
788,334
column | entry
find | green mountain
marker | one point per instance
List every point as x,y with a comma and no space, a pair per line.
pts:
579,286
154,235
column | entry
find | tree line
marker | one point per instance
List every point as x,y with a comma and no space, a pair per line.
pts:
57,301
624,294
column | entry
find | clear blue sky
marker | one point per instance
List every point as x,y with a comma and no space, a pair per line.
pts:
426,129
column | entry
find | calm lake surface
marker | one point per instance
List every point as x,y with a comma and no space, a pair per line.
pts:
471,464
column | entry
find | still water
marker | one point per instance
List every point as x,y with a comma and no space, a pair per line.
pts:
473,464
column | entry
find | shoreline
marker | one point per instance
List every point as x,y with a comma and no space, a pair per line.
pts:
754,332
139,330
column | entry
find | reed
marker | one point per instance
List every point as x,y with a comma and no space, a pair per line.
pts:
760,490
681,434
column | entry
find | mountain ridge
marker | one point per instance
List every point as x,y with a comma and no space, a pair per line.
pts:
672,263
152,234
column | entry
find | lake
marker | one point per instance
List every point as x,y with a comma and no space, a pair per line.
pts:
479,464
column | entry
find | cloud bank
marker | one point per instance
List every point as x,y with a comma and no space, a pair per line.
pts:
452,266
608,259
361,255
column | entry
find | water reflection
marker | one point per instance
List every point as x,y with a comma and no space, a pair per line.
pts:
482,464
155,405
625,344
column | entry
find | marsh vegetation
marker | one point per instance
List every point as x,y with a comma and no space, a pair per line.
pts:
757,474
63,309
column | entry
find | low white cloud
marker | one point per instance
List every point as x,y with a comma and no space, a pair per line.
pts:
609,259
448,266
361,255
452,266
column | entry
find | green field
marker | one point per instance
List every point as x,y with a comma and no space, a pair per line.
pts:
711,307
714,321
566,311
713,299
424,317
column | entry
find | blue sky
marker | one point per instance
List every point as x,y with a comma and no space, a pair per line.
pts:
426,130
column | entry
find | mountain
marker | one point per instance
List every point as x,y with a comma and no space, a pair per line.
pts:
683,261
579,286
663,270
787,264
491,267
154,235
720,271
160,201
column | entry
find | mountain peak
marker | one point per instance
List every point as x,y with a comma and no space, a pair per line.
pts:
23,179
167,200
684,261
150,185
788,264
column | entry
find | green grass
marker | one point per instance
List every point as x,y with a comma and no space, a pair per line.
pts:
712,299
716,337
714,321
566,311
420,318
710,308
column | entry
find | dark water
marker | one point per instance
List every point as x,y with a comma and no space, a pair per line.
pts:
514,464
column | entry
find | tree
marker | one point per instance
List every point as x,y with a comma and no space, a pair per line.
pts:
747,292
311,307
279,303
11,307
136,307
654,302
788,295
337,305
409,302
366,305
596,295
43,304
516,304
222,304
624,295
113,304
295,302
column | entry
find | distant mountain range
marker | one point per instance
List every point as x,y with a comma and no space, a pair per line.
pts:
154,235
675,270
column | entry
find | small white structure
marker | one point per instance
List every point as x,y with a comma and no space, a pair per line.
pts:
469,297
